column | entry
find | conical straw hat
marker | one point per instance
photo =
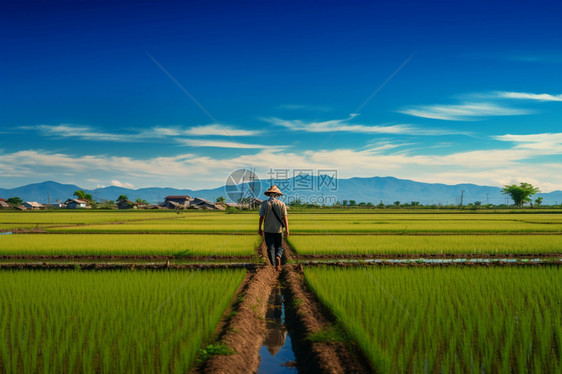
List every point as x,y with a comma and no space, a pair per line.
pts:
273,189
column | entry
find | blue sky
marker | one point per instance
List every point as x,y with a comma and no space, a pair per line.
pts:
179,94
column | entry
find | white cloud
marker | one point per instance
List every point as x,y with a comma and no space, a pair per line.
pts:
465,111
222,144
220,130
344,126
116,183
539,144
82,132
518,162
171,133
529,96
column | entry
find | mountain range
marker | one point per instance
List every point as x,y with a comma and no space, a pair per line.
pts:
315,189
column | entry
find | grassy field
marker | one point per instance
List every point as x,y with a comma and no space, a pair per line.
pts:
428,222
74,217
366,221
137,245
449,319
206,223
407,244
109,321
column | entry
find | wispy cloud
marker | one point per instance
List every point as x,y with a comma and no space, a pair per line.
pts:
157,132
221,130
529,96
222,144
466,111
82,132
542,144
345,126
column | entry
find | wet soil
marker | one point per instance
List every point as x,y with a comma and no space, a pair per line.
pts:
246,330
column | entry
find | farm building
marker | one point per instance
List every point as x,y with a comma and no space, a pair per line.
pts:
34,205
4,204
55,205
127,204
200,203
180,199
76,204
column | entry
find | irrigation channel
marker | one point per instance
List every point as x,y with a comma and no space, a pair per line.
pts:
276,353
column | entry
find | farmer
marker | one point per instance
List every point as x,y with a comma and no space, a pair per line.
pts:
273,215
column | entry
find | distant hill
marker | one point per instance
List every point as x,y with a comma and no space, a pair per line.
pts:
374,190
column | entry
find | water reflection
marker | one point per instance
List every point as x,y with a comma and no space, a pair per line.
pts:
276,330
276,354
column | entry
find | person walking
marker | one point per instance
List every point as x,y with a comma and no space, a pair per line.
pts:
273,216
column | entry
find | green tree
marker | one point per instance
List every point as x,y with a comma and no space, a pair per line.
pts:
520,194
296,202
220,199
122,198
82,195
352,203
538,201
396,203
141,201
106,204
14,201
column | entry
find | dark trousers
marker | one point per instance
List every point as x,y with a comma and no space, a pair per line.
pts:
274,243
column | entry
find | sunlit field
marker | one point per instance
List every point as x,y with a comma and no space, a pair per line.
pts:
424,244
449,319
118,321
130,244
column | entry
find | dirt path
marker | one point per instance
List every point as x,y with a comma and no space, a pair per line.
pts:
245,332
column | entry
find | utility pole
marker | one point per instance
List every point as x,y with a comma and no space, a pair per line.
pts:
462,195
487,200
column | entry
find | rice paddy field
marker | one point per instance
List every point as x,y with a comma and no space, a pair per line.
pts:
118,321
130,245
442,320
425,244
403,318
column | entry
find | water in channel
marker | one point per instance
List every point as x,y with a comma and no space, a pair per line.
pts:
276,354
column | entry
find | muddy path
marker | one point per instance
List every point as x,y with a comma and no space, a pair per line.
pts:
244,332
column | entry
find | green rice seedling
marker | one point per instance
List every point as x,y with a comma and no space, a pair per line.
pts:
73,217
143,321
138,245
448,319
425,244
